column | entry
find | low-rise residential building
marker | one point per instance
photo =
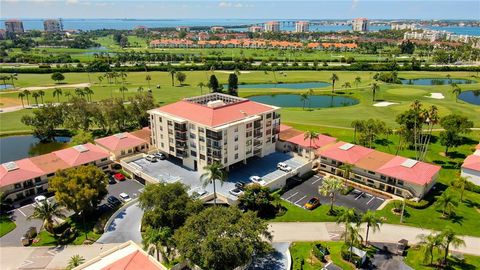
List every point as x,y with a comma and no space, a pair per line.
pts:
471,167
217,29
123,144
403,26
29,176
307,148
215,127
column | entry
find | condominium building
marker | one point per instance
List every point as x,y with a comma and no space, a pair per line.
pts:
52,26
272,26
255,29
403,26
182,28
471,167
124,144
302,26
215,128
360,25
217,29
14,26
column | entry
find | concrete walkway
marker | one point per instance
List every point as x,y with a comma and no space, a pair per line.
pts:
330,231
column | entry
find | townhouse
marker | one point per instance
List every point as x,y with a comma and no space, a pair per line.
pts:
125,144
471,167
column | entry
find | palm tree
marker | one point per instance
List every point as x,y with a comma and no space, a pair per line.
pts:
172,73
79,92
311,136
201,85
346,85
4,79
27,94
21,96
346,170
41,93
447,202
330,186
460,182
75,260
372,221
310,93
140,89
334,78
89,92
303,98
35,95
100,79
123,89
375,87
47,211
13,77
358,80
432,118
356,125
429,243
449,78
148,78
213,172
449,237
456,91
159,239
347,216
352,237
57,92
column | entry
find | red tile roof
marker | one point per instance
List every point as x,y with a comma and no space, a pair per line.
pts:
419,173
18,171
350,155
319,142
284,127
134,261
49,163
82,154
121,141
213,117
472,162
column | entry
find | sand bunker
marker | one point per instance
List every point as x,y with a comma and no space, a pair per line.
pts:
436,96
384,104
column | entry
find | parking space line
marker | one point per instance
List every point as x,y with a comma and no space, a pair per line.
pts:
380,199
300,199
316,181
358,197
371,200
21,212
368,195
288,198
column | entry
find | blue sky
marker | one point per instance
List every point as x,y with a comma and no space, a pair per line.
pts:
248,9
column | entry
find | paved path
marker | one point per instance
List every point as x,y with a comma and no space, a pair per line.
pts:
124,226
328,231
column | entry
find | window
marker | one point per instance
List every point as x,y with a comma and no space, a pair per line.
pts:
160,119
193,153
225,160
236,129
324,158
38,179
201,130
169,123
192,136
122,152
370,172
249,133
236,147
17,186
50,174
269,115
370,181
193,145
236,156
162,145
170,140
236,138
249,125
172,148
383,177
334,162
202,157
192,126
400,182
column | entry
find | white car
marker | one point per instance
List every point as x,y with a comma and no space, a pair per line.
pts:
40,200
124,197
236,192
257,180
151,158
284,167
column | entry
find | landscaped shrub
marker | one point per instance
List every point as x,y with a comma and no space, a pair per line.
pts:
319,251
347,190
422,204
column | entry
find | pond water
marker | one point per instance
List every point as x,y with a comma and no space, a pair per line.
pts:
302,85
5,86
472,97
18,147
288,100
435,81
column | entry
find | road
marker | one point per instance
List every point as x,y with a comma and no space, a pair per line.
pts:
124,226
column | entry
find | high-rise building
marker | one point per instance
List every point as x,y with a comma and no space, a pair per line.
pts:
255,29
217,29
272,26
360,25
52,26
215,128
302,26
14,26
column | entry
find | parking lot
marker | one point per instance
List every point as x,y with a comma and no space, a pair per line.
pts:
357,199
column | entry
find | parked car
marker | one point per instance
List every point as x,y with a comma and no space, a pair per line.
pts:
312,203
257,180
236,192
198,193
284,167
40,199
124,197
151,158
111,180
160,156
114,201
119,177
240,185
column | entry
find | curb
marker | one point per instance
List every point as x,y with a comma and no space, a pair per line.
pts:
112,217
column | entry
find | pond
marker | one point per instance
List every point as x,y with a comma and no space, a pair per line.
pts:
289,100
5,86
301,85
435,81
472,97
18,147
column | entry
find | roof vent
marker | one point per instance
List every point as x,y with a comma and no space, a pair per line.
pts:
215,103
121,135
409,163
244,113
346,146
81,148
10,166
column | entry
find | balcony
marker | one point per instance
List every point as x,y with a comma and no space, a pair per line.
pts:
214,135
180,136
180,145
257,124
180,127
181,154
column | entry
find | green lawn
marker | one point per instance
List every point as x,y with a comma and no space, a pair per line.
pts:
294,213
415,259
302,250
6,225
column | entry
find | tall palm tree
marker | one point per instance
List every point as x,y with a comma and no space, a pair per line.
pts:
47,211
57,92
449,237
347,216
456,91
100,79
159,239
310,136
123,89
356,125
358,80
79,92
201,85
27,94
41,93
346,169
330,186
334,78
375,87
352,237
75,260
148,78
310,93
347,85
13,77
303,98
429,243
432,118
89,92
21,96
449,78
36,95
447,202
172,74
372,221
213,172
140,89
4,79
460,182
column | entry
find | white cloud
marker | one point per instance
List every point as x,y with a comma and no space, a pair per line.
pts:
71,2
354,4
231,5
